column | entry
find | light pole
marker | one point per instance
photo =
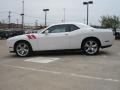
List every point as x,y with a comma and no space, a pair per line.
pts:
9,17
64,15
36,24
87,3
17,22
22,14
45,10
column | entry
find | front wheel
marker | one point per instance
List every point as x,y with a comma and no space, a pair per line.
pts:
90,47
22,49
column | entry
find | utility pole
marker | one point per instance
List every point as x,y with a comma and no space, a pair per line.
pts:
45,10
64,15
87,3
17,22
87,12
9,17
36,24
22,14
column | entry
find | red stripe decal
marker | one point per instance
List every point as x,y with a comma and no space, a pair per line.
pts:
29,37
33,36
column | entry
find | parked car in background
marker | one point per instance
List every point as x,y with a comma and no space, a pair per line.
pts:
5,34
33,31
64,36
117,35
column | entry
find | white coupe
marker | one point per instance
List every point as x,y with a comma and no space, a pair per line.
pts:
64,36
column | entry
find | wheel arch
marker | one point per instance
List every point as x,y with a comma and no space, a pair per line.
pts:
23,41
94,38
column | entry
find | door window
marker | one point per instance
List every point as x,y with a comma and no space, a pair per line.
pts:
62,28
57,29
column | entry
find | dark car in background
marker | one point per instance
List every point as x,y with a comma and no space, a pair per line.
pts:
5,34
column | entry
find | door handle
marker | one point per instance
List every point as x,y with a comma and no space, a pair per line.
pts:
66,34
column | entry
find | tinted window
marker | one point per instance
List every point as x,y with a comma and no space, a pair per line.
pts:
58,29
62,28
73,27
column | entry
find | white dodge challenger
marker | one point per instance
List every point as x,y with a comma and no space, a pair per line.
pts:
64,36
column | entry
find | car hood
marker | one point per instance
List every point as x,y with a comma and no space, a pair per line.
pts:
24,37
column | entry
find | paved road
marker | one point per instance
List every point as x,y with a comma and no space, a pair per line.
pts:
60,71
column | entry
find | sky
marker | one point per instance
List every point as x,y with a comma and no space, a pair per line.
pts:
75,11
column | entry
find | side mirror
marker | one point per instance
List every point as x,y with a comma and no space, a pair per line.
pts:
46,32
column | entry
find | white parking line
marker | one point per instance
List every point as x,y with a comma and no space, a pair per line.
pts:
62,73
42,59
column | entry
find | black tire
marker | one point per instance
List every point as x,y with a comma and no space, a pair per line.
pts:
90,47
23,49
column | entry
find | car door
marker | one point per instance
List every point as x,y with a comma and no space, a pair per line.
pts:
56,39
75,36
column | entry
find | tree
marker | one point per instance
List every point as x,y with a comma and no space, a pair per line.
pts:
110,22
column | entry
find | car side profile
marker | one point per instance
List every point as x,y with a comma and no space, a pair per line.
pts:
62,36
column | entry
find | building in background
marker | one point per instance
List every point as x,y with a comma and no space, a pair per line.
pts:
12,25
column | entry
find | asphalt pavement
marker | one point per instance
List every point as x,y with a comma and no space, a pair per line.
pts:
67,70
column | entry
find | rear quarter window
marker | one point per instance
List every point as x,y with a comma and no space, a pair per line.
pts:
73,27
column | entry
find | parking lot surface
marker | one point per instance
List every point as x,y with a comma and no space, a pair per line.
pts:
60,70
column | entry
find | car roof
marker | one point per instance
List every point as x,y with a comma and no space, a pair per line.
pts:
80,25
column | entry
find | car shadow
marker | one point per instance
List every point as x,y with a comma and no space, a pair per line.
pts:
67,53
59,53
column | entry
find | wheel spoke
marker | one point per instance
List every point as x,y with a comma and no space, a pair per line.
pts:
87,45
94,46
91,43
88,49
24,46
26,50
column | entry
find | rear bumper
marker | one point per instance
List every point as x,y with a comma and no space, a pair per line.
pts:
106,46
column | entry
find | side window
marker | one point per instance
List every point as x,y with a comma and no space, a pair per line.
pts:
62,28
73,27
49,29
57,29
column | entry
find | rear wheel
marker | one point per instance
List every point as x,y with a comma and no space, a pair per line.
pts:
90,47
22,49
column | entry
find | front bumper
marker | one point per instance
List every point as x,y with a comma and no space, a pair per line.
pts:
11,49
